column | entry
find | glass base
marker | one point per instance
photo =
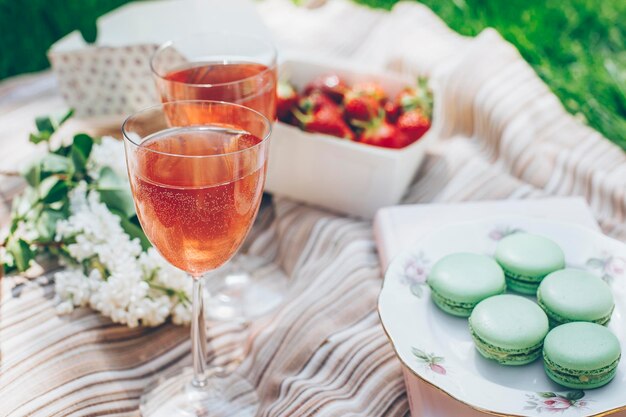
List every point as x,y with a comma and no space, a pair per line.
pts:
245,288
173,395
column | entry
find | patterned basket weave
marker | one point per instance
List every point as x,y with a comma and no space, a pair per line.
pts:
103,81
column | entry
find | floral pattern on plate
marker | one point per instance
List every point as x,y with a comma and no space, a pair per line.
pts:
431,361
554,402
415,273
501,231
609,266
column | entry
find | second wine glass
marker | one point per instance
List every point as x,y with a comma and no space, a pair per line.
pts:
236,68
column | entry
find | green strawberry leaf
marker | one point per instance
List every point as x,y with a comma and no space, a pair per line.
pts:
546,394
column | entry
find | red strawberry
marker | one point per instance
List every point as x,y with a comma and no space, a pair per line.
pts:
315,101
286,100
380,133
370,89
360,107
328,84
392,111
326,119
413,124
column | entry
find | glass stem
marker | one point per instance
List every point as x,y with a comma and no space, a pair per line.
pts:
198,335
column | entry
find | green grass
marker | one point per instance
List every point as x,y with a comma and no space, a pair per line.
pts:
576,46
28,28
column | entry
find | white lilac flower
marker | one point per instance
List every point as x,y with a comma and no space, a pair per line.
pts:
110,153
139,287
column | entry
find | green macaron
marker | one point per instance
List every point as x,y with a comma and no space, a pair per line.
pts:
508,329
581,355
527,259
575,295
460,281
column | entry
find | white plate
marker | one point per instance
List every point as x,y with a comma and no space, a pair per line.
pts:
438,349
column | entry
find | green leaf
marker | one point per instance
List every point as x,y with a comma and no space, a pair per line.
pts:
8,268
47,223
21,252
56,164
416,290
45,124
63,150
80,150
595,263
546,394
52,190
115,192
33,175
419,353
133,229
39,137
24,203
66,116
575,395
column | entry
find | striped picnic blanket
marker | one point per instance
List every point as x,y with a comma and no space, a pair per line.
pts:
502,135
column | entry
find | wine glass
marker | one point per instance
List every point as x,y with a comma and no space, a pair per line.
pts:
240,69
197,170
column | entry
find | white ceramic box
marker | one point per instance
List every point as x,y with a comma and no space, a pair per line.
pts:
338,174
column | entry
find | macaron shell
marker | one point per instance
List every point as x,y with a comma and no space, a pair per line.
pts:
581,346
509,321
529,255
575,295
466,277
456,309
574,382
521,286
505,356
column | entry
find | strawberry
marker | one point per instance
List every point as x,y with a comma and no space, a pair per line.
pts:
328,84
381,133
413,124
419,96
370,89
322,116
315,101
286,99
360,107
392,111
